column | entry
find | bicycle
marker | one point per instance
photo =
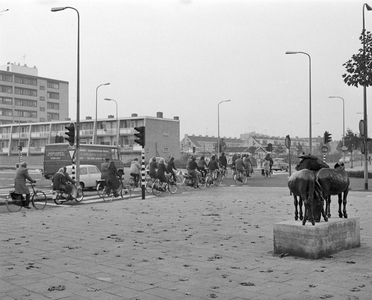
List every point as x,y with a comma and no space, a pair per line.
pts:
240,177
107,193
188,181
224,172
158,188
14,202
214,178
60,196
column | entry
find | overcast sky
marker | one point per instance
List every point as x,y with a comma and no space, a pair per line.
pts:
182,57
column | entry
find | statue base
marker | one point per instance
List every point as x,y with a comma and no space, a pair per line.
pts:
323,239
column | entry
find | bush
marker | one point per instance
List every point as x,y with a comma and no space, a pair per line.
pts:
358,174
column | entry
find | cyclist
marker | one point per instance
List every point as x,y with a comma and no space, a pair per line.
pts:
153,167
223,161
247,164
171,167
20,187
60,180
213,166
202,165
192,166
268,157
135,170
239,165
160,173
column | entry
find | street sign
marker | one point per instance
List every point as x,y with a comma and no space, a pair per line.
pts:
344,148
288,142
361,127
72,153
325,149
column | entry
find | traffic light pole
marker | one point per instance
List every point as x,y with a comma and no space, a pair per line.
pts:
143,175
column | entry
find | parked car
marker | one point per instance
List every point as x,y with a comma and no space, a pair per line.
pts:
280,165
89,174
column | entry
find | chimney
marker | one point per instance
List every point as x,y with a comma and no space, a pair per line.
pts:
88,118
110,116
159,114
134,115
176,117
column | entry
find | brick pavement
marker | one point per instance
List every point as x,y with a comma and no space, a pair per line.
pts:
211,244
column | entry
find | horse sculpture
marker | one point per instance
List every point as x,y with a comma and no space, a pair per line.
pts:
330,181
302,185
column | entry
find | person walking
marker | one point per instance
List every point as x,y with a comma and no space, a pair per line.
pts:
135,170
20,186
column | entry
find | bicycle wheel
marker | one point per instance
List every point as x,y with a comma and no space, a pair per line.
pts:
80,194
58,198
13,205
208,180
217,180
187,184
100,189
202,183
39,200
179,180
244,178
236,180
131,183
172,187
125,192
155,188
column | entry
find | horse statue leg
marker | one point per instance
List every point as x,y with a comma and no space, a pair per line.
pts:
297,204
342,200
328,206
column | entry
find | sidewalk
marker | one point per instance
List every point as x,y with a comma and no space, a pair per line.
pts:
216,243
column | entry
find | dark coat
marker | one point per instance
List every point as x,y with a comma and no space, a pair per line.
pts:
112,176
20,181
152,171
171,166
213,165
161,172
104,169
60,180
223,160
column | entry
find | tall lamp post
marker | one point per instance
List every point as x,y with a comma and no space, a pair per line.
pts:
117,121
343,124
310,135
95,122
365,5
77,124
218,139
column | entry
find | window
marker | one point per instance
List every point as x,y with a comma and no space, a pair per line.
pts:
53,85
6,101
6,112
42,119
165,133
42,87
42,108
6,77
25,102
42,98
52,95
25,80
25,113
53,105
6,89
26,92
52,116
166,150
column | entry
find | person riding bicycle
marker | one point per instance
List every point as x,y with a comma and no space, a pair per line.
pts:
153,167
191,167
135,170
160,173
223,161
110,174
239,165
60,180
247,164
20,187
202,164
171,167
213,166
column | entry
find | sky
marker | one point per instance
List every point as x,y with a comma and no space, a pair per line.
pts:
183,57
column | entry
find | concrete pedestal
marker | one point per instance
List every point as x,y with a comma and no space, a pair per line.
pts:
325,238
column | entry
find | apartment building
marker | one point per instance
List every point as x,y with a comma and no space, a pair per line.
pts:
26,98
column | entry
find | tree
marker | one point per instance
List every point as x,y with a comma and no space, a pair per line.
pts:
299,148
352,142
280,149
359,67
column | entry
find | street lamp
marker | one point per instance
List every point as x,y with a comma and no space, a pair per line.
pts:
365,5
77,124
95,122
310,137
343,124
117,120
218,140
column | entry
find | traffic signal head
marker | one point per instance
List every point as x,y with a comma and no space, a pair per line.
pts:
20,148
70,134
327,137
140,135
193,149
269,147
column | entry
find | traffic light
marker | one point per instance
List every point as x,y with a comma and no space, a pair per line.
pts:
327,137
20,148
269,147
70,134
193,149
140,135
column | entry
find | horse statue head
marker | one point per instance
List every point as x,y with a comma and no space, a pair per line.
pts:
310,162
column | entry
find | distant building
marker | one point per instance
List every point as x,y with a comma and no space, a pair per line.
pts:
162,136
26,98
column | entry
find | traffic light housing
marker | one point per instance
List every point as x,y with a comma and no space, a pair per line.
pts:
327,137
70,134
269,147
20,148
140,135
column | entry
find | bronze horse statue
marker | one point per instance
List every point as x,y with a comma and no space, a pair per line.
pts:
302,185
330,181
